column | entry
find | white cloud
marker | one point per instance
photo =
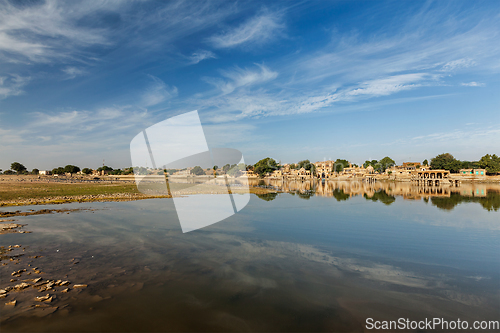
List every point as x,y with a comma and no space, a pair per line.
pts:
257,30
41,31
72,72
239,77
458,64
9,137
201,55
236,105
157,92
12,85
473,84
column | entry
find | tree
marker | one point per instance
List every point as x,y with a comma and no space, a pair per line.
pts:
340,164
17,167
372,163
140,171
446,161
265,166
306,164
197,170
236,170
169,171
9,172
386,163
491,163
58,171
425,162
71,169
105,168
87,171
35,171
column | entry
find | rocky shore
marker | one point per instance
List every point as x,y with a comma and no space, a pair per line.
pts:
79,198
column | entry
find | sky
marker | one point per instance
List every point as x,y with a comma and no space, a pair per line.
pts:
315,80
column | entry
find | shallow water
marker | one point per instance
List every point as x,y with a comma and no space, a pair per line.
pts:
283,263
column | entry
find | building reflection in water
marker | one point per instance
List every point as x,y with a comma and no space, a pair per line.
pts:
444,197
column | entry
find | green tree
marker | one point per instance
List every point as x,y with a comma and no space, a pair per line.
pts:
8,172
340,164
129,171
446,161
385,163
71,168
58,171
34,171
172,171
425,162
372,163
87,171
140,171
265,166
105,168
491,163
306,164
197,170
17,167
236,170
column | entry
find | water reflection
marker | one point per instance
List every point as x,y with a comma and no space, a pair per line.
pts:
443,197
279,265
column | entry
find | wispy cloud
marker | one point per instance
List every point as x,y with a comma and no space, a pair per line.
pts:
473,84
353,68
239,77
459,63
157,92
258,30
201,55
12,85
72,72
236,105
40,31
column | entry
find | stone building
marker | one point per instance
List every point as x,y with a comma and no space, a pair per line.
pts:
472,172
324,169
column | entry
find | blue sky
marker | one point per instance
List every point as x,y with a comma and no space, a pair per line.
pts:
291,80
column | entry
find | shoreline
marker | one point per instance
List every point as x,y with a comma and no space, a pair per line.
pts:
18,191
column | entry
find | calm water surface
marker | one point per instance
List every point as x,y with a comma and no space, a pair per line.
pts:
294,261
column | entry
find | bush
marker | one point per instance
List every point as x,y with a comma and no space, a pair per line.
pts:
197,170
87,171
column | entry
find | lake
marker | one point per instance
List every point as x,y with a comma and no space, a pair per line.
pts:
315,257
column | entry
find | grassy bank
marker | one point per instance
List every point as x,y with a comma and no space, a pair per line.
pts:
29,190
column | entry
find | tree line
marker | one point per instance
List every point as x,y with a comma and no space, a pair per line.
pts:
446,161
